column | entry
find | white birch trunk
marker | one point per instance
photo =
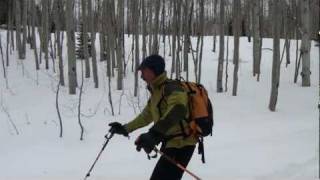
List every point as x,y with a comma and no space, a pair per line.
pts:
72,68
221,48
305,42
93,45
276,6
85,37
236,33
256,38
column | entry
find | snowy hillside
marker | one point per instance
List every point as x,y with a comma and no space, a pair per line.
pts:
249,141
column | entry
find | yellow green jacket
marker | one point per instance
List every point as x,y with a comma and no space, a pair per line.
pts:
167,108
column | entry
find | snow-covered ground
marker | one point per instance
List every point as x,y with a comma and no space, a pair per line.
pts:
249,141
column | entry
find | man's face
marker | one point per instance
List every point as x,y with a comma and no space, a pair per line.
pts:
147,75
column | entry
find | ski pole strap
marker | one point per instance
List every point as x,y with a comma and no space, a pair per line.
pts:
177,164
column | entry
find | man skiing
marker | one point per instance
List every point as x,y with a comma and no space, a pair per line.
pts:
167,108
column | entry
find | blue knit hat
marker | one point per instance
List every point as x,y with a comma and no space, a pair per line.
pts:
155,63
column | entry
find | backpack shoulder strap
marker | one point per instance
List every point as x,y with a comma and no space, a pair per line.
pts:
171,86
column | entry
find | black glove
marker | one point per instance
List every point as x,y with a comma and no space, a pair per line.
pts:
118,128
147,141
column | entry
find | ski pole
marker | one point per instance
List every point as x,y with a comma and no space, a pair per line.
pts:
108,137
177,164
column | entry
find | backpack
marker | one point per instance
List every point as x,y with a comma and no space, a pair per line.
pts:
200,109
200,112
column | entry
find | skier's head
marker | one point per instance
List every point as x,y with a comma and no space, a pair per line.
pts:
151,67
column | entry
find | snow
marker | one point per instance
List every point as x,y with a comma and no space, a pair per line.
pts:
249,141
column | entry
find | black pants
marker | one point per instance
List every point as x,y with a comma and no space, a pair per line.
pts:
165,170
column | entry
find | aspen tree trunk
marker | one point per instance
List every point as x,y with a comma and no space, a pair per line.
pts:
136,36
305,42
155,45
221,48
150,24
256,38
297,24
177,30
85,37
18,28
111,35
107,19
45,31
174,37
93,44
60,34
248,16
201,34
187,31
9,29
29,30
276,11
288,30
11,24
227,65
2,60
72,68
163,23
3,64
236,33
102,38
31,10
144,29
34,40
108,5
170,22
215,27
24,27
120,44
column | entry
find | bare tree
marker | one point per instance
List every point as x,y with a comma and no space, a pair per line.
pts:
136,13
58,109
79,103
72,68
188,11
276,10
93,46
288,30
144,28
34,40
257,41
247,18
201,34
58,13
85,37
45,31
236,32
221,47
214,27
177,45
155,45
9,30
227,66
17,6
174,37
3,63
108,16
24,27
305,42
120,43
